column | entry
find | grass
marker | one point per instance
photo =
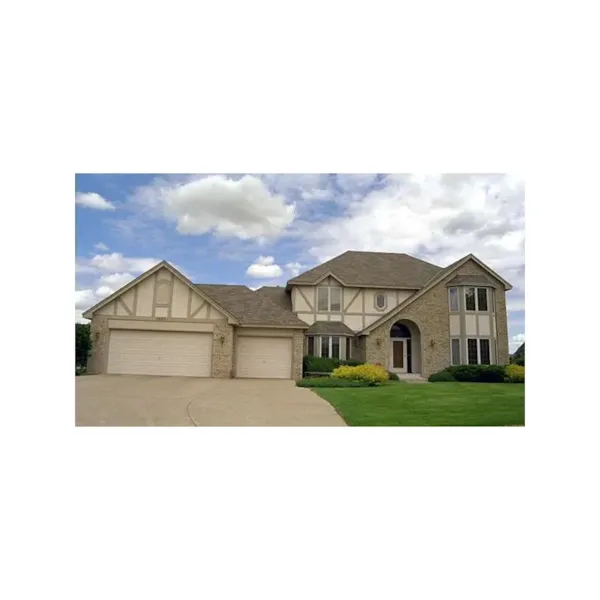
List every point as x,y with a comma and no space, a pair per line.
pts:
436,404
329,382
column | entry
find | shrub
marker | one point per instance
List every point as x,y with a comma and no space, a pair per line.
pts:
322,364
441,376
478,373
392,376
371,374
330,382
515,373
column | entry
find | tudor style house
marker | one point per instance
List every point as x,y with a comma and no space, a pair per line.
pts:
410,316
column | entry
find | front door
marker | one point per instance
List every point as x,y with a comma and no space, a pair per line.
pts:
399,355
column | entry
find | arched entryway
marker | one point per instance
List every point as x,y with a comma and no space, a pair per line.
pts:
405,347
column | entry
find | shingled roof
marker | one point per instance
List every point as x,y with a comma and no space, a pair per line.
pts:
250,308
276,294
329,328
373,269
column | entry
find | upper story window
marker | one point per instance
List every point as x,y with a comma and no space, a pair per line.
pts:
453,296
476,299
380,301
329,299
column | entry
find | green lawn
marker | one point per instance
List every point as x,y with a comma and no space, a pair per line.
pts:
453,403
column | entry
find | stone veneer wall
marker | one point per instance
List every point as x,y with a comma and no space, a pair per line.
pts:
222,353
431,315
98,356
297,353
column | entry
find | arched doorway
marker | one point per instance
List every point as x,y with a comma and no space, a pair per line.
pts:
405,347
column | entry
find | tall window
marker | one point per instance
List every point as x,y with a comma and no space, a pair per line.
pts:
482,300
329,299
311,346
479,351
470,298
484,352
455,351
348,348
476,299
325,346
335,347
453,294
472,352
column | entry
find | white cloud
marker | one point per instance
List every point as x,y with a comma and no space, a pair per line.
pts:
93,200
515,341
315,194
244,208
116,280
295,268
104,291
117,262
100,246
438,218
264,267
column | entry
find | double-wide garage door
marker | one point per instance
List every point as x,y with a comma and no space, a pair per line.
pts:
264,357
159,353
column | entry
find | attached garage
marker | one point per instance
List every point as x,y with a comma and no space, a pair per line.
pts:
178,353
264,357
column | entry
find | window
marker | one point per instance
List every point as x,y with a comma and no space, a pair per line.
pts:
335,347
323,298
348,348
329,299
331,346
472,351
476,299
470,298
380,301
453,294
484,352
479,351
482,302
455,358
335,298
311,346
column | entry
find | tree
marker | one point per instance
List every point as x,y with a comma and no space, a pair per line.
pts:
518,358
83,344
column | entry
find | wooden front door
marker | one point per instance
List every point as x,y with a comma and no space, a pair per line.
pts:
398,362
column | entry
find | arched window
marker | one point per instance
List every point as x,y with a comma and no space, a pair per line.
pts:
399,330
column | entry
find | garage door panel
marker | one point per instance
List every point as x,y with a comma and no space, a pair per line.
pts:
159,353
264,357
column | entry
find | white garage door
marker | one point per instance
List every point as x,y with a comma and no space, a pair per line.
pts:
159,353
264,357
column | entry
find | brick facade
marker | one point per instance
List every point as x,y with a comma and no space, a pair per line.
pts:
430,314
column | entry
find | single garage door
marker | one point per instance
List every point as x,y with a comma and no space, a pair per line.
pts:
159,353
264,357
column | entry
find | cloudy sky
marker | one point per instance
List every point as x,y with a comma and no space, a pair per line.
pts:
263,229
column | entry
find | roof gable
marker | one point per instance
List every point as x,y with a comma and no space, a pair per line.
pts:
372,269
155,269
440,277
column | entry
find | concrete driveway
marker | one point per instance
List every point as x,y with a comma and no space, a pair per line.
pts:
134,400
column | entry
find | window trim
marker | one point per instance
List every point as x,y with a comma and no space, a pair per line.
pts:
377,294
452,363
318,345
478,344
328,289
476,298
457,296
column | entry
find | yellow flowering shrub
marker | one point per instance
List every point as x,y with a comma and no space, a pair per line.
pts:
515,373
371,374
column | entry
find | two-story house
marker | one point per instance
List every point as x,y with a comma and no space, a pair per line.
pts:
411,316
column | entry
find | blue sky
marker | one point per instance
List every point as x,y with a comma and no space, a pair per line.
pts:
263,229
